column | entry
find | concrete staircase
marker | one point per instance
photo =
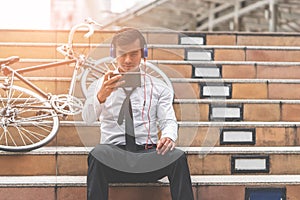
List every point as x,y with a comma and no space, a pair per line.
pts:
236,100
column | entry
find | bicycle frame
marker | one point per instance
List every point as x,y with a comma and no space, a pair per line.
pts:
8,70
67,51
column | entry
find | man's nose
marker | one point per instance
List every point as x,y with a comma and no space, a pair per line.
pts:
127,58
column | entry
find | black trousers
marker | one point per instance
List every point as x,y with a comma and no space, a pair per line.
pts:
112,164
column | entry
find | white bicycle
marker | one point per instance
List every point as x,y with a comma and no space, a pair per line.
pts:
29,115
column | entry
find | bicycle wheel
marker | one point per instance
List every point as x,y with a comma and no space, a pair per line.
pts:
27,119
97,70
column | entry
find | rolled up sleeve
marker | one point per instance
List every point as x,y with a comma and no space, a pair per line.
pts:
166,116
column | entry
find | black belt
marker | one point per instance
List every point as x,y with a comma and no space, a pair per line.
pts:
140,147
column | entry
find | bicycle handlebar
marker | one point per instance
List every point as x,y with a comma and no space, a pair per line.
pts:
67,50
91,21
76,27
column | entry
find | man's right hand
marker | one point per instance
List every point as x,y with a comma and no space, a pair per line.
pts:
110,82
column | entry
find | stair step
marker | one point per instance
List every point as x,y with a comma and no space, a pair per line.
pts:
201,124
73,160
205,187
249,111
184,62
197,180
52,36
157,37
179,70
189,88
288,39
232,110
182,80
76,133
54,45
189,150
162,52
196,69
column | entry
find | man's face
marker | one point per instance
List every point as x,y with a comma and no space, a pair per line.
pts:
129,56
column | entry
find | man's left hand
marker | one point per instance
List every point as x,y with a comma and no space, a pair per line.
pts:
164,145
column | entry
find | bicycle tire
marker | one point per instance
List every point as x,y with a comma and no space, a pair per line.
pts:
91,74
27,120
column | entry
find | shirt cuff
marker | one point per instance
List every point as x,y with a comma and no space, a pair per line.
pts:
97,105
171,133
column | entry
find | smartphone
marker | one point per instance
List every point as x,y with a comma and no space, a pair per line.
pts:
132,79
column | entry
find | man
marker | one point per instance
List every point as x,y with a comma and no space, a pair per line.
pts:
131,118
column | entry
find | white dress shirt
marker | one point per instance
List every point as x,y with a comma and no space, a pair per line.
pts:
152,111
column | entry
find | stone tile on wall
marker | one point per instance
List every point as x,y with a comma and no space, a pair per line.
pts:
261,112
229,55
238,71
249,91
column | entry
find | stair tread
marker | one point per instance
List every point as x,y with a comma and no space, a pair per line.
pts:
182,62
173,46
48,181
188,150
187,80
204,123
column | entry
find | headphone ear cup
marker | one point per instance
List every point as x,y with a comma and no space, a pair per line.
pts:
112,51
145,51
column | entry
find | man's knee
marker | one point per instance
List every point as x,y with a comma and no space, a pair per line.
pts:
178,153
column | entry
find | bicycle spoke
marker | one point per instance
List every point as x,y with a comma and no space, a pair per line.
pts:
1,136
10,138
5,137
22,138
94,75
27,120
33,134
15,98
34,118
42,127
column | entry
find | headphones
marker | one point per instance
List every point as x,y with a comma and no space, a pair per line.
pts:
130,33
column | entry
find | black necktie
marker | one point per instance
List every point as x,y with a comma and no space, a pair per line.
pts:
126,111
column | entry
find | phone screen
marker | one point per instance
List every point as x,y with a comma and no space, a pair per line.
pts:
132,79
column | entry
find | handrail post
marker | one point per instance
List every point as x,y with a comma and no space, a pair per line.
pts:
272,16
236,20
211,16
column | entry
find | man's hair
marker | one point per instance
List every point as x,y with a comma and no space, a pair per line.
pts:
127,36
